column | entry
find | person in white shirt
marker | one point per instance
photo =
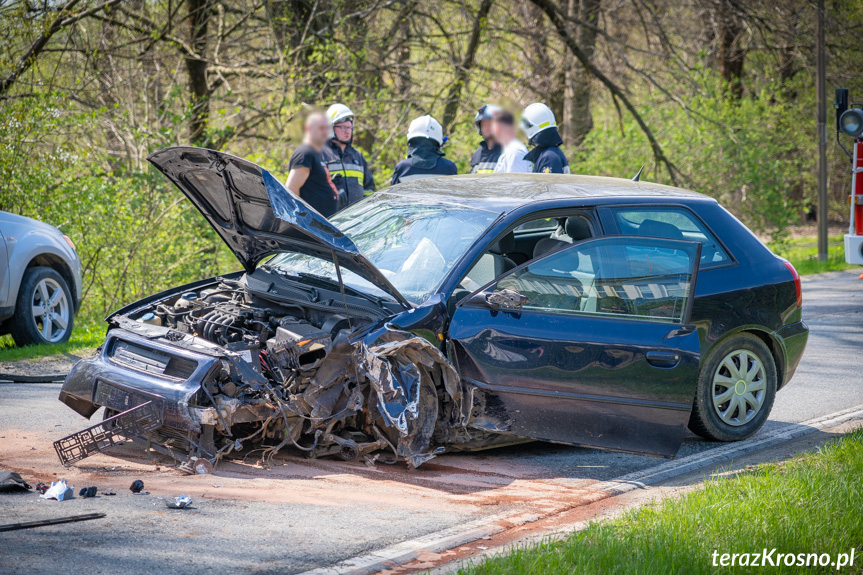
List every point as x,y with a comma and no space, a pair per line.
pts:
512,157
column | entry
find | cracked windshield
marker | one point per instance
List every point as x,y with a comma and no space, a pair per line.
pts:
413,245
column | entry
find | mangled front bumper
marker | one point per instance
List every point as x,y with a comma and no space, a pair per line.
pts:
131,369
403,376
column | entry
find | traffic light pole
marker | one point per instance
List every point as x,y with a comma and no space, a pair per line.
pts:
821,88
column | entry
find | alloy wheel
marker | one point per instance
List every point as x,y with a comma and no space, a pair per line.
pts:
51,310
739,387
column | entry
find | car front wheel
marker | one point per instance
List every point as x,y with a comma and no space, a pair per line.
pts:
736,388
43,311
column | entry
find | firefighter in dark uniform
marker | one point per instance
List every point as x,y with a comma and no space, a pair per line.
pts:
539,126
425,157
485,158
347,166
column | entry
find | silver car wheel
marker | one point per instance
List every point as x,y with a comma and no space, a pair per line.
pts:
51,310
739,387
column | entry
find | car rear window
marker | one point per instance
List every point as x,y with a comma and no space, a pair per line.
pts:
674,224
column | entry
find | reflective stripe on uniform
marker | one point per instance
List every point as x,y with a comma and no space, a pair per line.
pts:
337,168
348,174
484,167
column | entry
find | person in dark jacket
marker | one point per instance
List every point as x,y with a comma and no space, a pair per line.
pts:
348,168
539,126
308,177
485,158
425,157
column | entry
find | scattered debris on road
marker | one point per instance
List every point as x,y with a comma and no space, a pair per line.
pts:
60,491
11,481
137,487
179,502
87,492
54,521
44,378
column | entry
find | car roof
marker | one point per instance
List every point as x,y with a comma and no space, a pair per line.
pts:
505,192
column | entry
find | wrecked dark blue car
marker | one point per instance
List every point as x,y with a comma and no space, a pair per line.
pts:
448,313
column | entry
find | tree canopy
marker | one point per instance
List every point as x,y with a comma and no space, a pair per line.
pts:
712,95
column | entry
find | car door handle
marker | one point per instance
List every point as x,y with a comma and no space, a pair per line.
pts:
663,358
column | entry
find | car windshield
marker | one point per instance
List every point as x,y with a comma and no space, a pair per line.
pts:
413,243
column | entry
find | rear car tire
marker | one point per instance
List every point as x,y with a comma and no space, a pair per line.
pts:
736,388
44,311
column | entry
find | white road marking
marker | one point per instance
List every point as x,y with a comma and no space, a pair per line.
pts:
459,535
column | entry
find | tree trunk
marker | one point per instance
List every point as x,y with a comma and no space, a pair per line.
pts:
730,55
463,70
196,65
577,119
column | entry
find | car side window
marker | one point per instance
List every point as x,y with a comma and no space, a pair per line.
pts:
640,278
674,224
539,225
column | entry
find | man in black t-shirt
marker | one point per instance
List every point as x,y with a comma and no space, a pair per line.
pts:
309,177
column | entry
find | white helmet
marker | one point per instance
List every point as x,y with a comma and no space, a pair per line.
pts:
426,127
536,118
339,113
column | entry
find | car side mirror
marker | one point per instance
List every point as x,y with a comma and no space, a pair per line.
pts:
506,299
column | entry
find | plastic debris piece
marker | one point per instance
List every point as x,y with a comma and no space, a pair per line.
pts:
109,491
54,521
137,486
41,487
11,481
203,466
87,492
179,502
60,491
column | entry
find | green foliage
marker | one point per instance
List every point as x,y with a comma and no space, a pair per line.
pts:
806,505
748,154
76,127
134,232
803,255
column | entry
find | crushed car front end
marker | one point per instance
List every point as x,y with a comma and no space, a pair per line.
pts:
220,368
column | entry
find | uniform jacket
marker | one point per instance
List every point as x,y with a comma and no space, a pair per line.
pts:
349,171
425,160
547,157
484,159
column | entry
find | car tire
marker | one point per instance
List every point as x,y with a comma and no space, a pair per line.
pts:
27,326
733,403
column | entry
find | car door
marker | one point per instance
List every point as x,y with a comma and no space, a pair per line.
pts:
589,345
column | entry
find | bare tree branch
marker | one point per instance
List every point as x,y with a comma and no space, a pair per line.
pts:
61,21
559,22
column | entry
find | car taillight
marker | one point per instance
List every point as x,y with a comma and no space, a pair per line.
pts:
797,285
71,244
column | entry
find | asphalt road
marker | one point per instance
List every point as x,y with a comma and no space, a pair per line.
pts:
303,514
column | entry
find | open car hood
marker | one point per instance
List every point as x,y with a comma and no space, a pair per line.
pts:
256,215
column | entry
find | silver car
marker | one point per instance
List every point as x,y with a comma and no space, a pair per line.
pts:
40,283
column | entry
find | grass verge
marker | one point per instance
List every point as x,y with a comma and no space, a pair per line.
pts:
86,335
803,255
808,505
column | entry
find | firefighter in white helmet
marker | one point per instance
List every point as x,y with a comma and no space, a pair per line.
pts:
538,124
425,157
348,168
485,157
